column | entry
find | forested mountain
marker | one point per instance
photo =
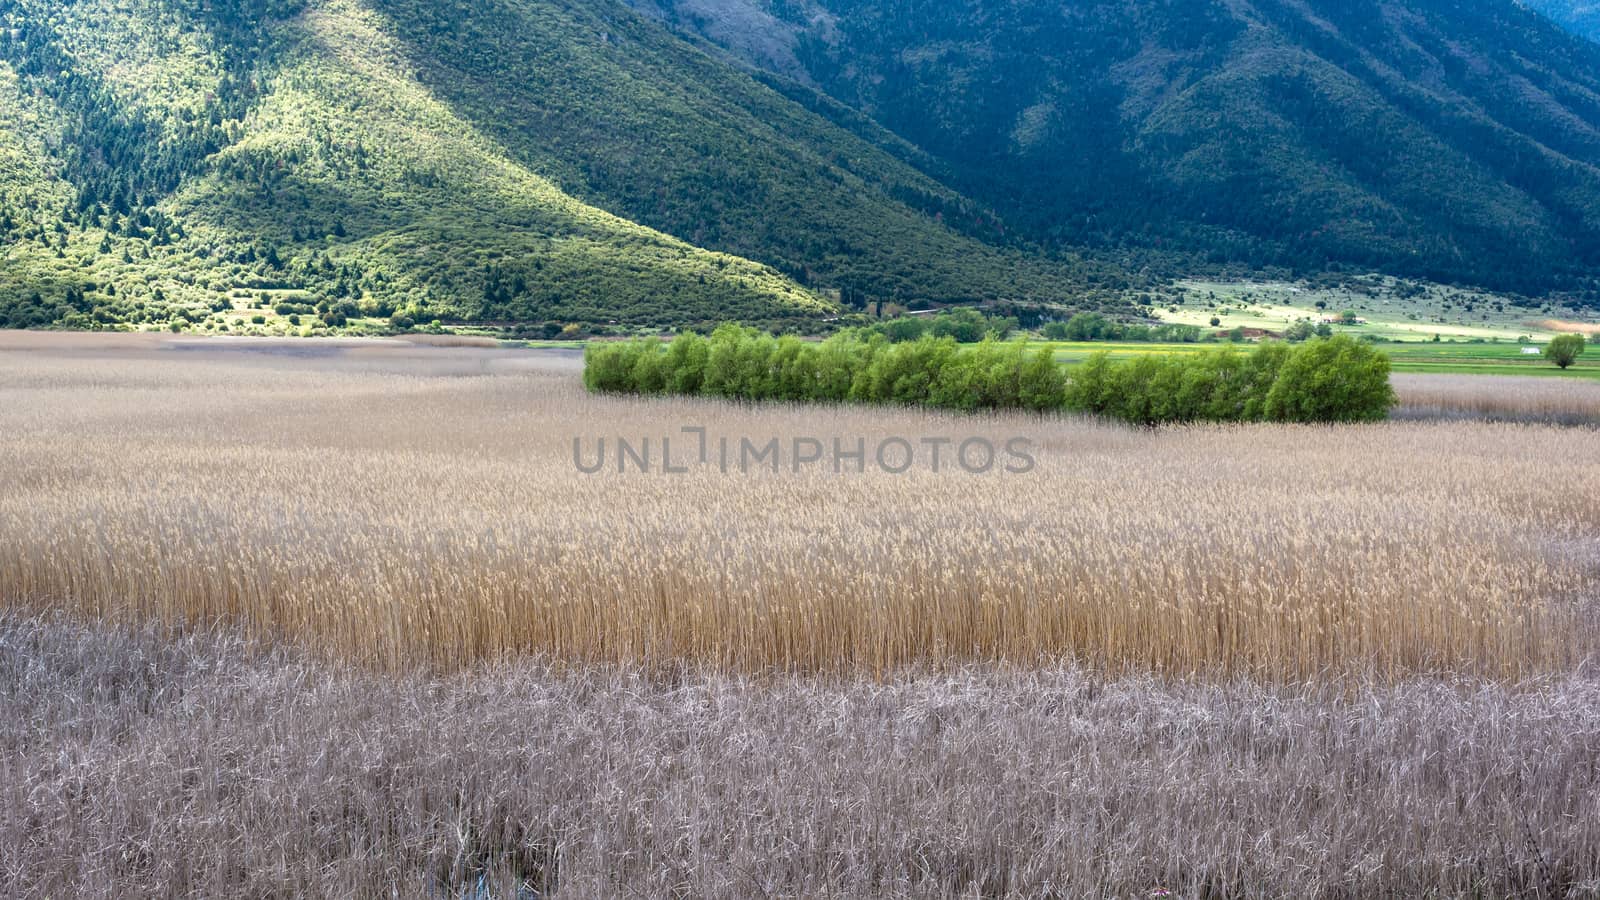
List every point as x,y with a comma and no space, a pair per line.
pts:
1579,16
160,157
556,162
632,119
1436,138
429,160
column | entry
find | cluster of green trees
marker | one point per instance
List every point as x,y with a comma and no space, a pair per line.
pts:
742,363
965,325
1332,380
969,326
1564,349
1088,326
1305,330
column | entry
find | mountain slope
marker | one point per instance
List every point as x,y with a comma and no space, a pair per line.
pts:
1581,17
631,118
178,180
574,161
521,160
521,248
1423,137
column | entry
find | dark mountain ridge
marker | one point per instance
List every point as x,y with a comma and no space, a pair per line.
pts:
1448,140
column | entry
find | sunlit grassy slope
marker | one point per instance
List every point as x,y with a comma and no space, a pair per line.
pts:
633,119
522,161
425,190
342,176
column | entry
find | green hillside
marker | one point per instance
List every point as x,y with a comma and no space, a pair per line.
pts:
1428,138
549,165
170,161
633,119
177,167
1581,17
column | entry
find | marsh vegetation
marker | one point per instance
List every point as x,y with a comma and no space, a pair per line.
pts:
344,618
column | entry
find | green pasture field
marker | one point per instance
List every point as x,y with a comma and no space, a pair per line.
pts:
1416,356
1389,308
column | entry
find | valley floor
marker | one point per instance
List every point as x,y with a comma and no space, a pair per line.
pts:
350,618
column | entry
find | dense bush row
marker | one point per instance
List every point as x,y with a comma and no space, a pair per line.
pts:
969,326
1330,380
965,324
1327,380
1088,326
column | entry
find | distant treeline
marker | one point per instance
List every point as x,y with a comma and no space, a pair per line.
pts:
1327,380
1086,326
969,326
963,324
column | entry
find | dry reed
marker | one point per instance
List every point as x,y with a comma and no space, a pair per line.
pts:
1500,398
420,505
1566,325
136,765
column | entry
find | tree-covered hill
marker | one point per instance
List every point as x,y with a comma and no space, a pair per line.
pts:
1436,138
1579,16
173,156
545,163
162,158
633,119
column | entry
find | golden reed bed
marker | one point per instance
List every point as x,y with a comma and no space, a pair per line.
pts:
1507,398
404,505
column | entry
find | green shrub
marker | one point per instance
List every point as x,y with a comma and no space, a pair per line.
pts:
1086,389
1331,380
967,326
649,373
905,328
1324,380
839,361
1564,349
612,367
1041,383
1260,371
907,373
794,369
738,364
685,363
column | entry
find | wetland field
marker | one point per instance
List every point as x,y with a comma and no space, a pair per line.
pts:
367,593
